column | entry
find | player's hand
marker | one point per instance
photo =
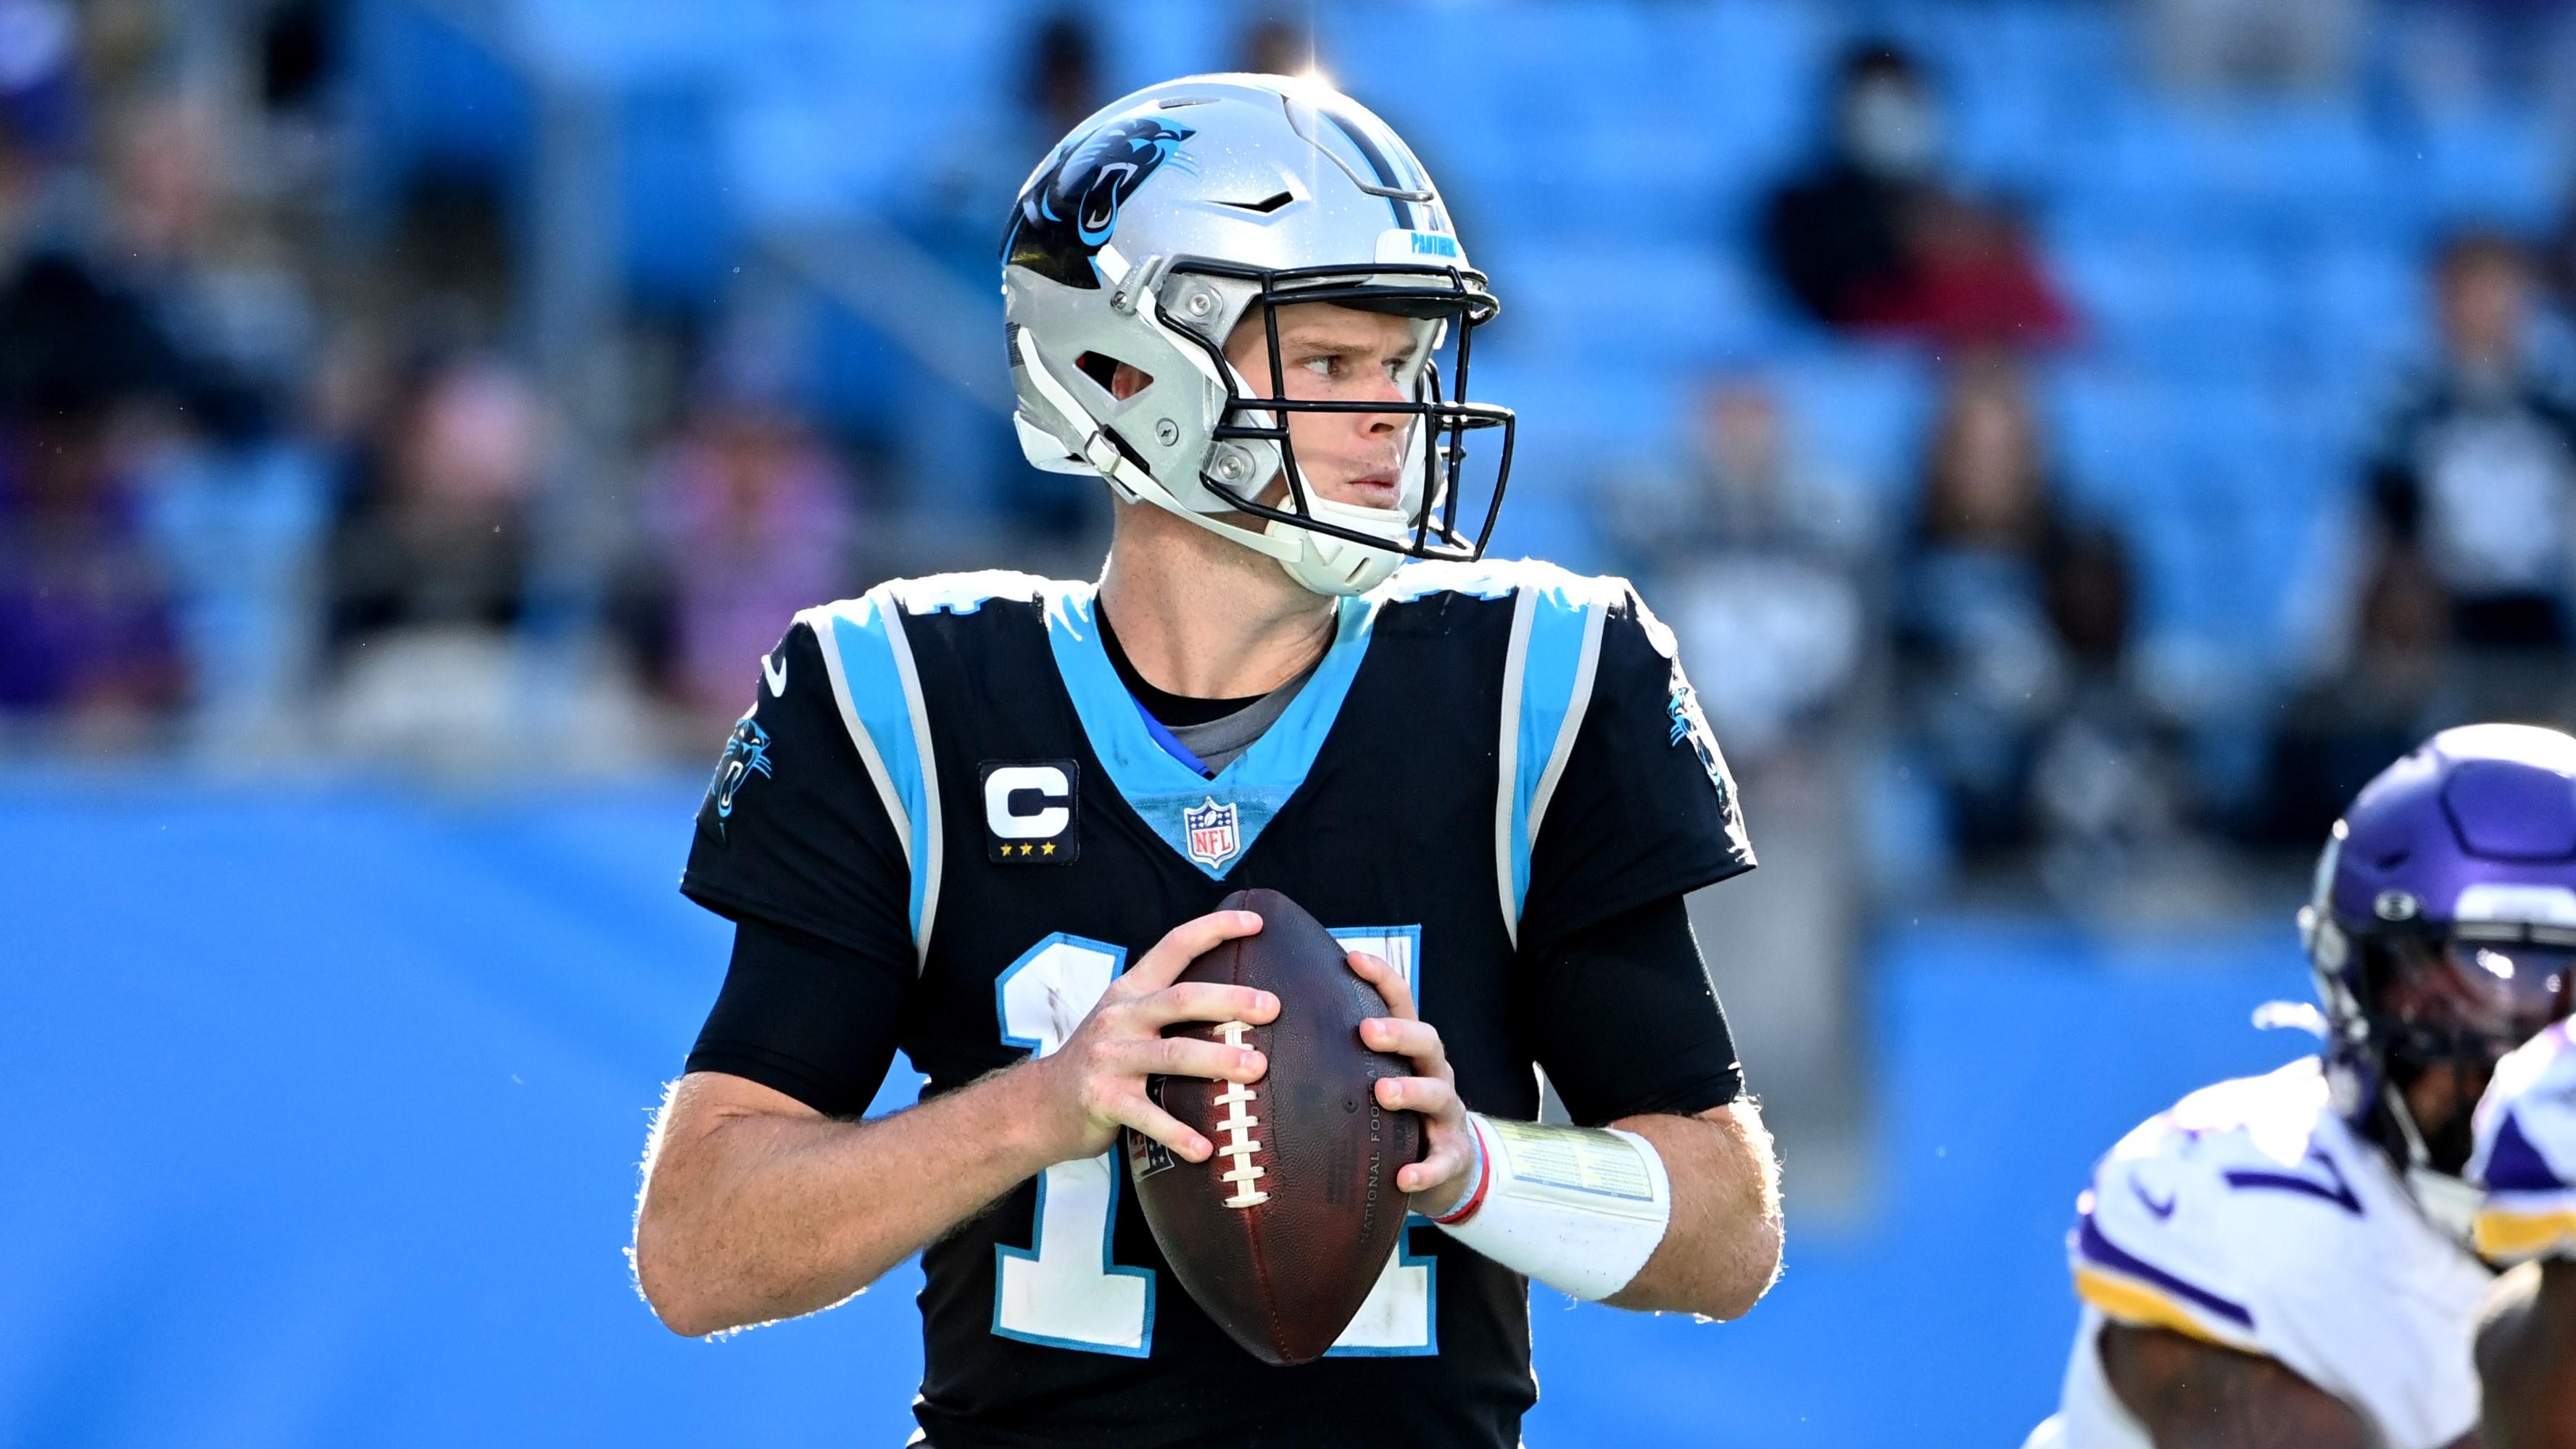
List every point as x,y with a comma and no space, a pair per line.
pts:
1441,1178
1095,1083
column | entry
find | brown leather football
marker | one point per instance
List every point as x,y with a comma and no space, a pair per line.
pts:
1280,1234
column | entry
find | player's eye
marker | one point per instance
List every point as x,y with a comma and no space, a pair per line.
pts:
1326,365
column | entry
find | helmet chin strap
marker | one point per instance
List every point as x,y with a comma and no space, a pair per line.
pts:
2445,1200
1327,565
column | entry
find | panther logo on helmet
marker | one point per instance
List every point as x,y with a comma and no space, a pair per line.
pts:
1070,208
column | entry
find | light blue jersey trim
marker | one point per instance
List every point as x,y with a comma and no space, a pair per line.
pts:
1109,1230
1160,788
870,661
1557,619
1428,1262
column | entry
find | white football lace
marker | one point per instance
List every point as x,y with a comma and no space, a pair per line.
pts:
1237,1125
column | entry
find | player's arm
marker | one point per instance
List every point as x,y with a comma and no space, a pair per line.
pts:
1721,1251
756,1206
1693,1219
2527,1357
1667,1196
2194,1395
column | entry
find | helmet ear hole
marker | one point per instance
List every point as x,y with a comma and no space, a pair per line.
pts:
1121,380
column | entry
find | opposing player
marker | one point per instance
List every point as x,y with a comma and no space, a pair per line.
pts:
2526,1160
985,818
2284,1259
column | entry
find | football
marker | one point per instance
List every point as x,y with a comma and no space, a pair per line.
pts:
1280,1234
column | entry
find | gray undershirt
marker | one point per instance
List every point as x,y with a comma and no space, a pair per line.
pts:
1219,741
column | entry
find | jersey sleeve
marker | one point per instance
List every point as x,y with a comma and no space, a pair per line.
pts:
803,1016
794,830
2268,1250
2526,1152
1622,1017
1628,798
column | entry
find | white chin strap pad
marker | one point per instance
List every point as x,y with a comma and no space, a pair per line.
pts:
1578,1208
1324,564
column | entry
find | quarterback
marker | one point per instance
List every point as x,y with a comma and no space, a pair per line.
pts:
2526,1161
2285,1259
984,819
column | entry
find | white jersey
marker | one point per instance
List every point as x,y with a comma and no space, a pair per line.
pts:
2253,1217
2526,1153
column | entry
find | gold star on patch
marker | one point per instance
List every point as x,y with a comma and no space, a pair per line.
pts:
1048,849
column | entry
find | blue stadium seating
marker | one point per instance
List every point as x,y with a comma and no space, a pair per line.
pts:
1606,159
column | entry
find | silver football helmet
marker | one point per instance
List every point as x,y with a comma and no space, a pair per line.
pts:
1157,227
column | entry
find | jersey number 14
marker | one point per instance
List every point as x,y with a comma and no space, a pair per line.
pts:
1063,1289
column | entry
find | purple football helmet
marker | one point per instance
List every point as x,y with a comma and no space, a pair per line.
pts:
2443,933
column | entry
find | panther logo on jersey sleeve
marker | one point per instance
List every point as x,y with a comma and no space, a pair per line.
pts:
746,753
2526,1152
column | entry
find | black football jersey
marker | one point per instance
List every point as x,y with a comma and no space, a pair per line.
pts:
1488,757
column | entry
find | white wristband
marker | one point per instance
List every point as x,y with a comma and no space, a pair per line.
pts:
1578,1208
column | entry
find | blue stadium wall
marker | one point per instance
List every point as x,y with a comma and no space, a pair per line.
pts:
328,1104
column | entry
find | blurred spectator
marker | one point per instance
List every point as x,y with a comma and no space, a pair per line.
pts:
1276,47
431,533
2467,58
1750,550
967,193
2475,466
68,332
1875,239
1063,75
2013,625
2344,727
213,278
1757,556
299,43
427,577
2265,45
85,628
85,615
968,200
751,520
40,98
236,501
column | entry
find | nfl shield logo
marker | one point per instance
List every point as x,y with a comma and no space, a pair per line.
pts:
1214,839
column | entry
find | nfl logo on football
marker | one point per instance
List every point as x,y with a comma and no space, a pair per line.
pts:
1214,840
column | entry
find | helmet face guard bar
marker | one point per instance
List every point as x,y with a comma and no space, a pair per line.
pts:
2434,999
2469,998
1446,294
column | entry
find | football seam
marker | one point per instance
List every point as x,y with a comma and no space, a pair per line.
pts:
1252,1216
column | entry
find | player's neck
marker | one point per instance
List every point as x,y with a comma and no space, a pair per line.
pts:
1205,618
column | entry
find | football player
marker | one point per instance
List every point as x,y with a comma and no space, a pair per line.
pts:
2526,1160
2284,1259
985,819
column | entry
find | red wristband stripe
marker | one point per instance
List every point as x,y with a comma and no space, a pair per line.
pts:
1484,1179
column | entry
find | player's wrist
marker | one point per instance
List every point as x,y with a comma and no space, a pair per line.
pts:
1456,1200
1579,1209
1040,1119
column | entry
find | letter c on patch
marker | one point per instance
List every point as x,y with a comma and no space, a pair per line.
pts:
1047,782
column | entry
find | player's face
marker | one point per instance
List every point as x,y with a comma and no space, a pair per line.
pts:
1338,354
2464,1004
